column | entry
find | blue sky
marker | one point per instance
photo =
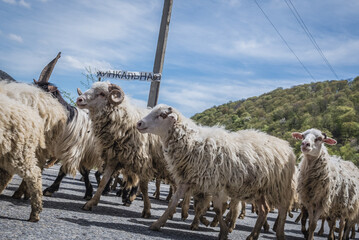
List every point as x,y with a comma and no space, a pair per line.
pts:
217,50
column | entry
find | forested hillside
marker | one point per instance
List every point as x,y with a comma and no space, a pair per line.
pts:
331,106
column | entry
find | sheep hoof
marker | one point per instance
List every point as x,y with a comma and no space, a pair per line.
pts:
88,197
47,193
223,235
281,237
34,218
86,208
230,229
205,222
290,215
251,237
146,214
194,227
242,216
17,195
155,227
214,224
184,217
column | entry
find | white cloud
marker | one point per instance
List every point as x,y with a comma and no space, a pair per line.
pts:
9,1
15,38
82,64
23,3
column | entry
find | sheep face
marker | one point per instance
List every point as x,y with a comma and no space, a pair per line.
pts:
101,94
159,121
312,141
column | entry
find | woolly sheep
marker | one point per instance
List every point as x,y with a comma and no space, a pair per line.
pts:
114,120
247,165
22,136
327,185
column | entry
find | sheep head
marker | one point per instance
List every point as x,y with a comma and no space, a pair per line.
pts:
159,121
101,94
312,141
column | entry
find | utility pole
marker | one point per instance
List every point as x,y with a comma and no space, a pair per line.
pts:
160,52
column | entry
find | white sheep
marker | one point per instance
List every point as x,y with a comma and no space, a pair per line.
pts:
246,165
114,120
327,185
23,136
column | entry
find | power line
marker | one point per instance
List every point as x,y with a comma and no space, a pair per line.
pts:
280,35
309,35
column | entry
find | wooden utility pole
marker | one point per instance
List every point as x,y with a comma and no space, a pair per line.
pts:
160,52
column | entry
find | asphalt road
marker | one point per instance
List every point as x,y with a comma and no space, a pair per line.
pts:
63,218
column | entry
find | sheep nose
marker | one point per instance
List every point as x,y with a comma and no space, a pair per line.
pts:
305,144
139,124
79,100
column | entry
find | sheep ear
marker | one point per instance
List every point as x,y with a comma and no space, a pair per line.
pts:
330,141
297,135
52,88
116,96
35,82
79,92
173,117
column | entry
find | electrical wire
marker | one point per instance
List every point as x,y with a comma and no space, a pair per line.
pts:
286,43
309,35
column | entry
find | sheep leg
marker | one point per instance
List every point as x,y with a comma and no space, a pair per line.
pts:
303,221
243,210
32,177
331,225
201,202
169,196
185,205
89,190
55,186
321,230
110,168
233,214
146,213
115,183
107,187
4,179
282,214
98,177
343,228
299,217
158,186
313,219
22,189
182,188
215,220
352,236
263,210
218,209
134,188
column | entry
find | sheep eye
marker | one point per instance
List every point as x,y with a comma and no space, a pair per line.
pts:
101,94
318,139
163,115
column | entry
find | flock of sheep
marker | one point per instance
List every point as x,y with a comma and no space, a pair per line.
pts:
106,131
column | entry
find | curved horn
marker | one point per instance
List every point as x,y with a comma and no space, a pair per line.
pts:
46,72
79,92
116,94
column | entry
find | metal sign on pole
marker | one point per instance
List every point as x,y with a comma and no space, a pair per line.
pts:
160,52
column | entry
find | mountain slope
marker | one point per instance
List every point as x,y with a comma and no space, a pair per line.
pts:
331,106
